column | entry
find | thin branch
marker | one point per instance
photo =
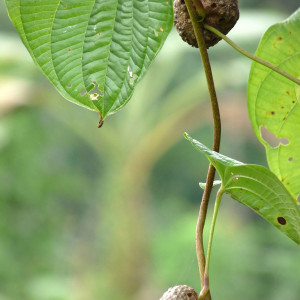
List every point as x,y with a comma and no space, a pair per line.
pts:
251,56
198,29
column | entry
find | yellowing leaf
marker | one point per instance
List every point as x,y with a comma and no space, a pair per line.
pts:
274,101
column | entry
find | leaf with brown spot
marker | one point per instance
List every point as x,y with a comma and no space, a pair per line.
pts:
267,89
258,188
281,220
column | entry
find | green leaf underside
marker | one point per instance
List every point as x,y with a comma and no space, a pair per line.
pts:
274,101
258,188
215,183
94,52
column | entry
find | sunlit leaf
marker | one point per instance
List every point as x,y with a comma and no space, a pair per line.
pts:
274,101
258,188
93,52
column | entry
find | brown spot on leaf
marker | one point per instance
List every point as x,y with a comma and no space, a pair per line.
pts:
70,49
281,220
279,38
288,92
282,107
97,35
272,112
293,101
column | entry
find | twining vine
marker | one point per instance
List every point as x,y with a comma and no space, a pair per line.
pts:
197,17
197,14
135,44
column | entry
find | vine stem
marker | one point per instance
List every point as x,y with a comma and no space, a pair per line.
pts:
198,29
251,56
205,288
199,8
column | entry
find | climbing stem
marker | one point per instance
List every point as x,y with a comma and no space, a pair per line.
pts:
199,9
198,29
251,56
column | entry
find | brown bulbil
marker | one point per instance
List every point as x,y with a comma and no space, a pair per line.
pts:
180,292
220,14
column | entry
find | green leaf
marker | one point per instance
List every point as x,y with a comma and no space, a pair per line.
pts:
258,188
94,52
274,101
215,183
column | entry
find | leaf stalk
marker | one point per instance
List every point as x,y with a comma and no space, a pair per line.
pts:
205,288
216,210
251,56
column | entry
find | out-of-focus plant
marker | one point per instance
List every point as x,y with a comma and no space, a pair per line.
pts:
96,53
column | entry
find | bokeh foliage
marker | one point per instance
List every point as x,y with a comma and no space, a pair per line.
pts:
88,214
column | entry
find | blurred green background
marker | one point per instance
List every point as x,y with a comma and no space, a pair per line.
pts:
110,214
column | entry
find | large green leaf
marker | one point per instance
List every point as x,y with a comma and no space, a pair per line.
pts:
258,188
274,101
94,52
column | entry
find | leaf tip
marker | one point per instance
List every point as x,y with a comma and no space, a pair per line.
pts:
215,183
186,135
202,185
101,121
